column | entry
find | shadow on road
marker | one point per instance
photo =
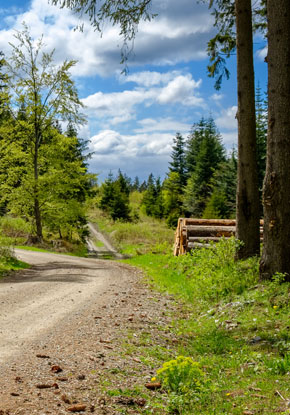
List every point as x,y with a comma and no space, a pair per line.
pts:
37,273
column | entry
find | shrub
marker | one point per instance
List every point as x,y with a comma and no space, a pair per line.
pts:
182,375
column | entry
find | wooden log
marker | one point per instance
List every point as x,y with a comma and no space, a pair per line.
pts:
210,231
217,222
209,222
194,245
205,239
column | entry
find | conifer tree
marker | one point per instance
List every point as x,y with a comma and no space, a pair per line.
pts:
149,195
115,197
222,201
178,163
205,153
172,196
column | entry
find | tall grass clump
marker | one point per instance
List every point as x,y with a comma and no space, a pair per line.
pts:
213,273
6,253
15,228
206,275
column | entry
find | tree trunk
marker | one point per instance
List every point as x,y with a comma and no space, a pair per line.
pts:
276,192
247,186
37,213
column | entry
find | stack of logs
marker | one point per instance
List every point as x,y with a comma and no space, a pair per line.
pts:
194,233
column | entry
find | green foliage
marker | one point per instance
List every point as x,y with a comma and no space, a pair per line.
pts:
115,197
205,153
173,196
14,227
41,93
223,44
6,253
182,375
280,366
152,200
124,13
222,317
204,275
178,163
222,201
135,238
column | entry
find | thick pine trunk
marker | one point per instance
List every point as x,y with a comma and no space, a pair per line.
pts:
247,186
276,192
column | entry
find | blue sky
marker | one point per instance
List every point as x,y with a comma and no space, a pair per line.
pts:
132,119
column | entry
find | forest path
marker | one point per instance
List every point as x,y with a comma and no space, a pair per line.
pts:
66,333
58,312
57,286
99,246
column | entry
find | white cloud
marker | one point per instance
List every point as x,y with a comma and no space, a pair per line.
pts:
162,124
179,33
230,139
140,145
227,118
120,107
150,78
262,53
217,97
181,90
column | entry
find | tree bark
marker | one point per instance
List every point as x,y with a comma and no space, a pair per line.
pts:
247,186
37,213
276,192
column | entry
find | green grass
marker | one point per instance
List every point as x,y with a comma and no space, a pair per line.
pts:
236,327
81,252
135,238
11,264
16,231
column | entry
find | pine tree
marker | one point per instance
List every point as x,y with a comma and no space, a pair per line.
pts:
222,201
115,197
193,143
206,153
178,163
172,196
136,184
149,197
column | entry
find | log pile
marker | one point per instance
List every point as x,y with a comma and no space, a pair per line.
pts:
192,233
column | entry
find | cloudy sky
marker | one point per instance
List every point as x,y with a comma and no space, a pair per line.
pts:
132,119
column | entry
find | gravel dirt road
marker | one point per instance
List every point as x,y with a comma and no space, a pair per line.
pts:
62,324
37,299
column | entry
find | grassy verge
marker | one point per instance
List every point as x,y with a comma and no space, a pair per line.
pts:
7,260
135,238
11,265
235,327
78,251
229,351
16,231
227,347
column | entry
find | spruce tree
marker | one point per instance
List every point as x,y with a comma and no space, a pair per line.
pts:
178,163
173,208
149,195
222,201
205,153
115,197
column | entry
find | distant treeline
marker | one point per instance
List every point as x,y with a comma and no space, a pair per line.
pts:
200,182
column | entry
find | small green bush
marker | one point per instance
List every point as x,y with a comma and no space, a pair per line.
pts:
14,227
182,375
213,273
